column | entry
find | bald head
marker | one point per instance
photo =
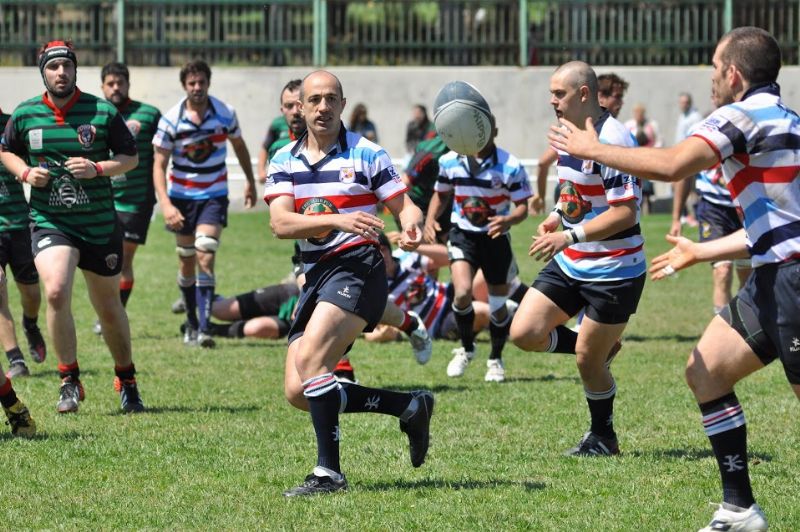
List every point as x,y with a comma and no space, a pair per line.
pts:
577,74
320,77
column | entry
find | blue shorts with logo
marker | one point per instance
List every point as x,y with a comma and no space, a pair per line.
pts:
354,280
766,313
212,211
715,221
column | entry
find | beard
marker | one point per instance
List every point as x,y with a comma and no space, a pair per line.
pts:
62,93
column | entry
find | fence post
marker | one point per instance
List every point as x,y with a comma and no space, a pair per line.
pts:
315,52
323,33
523,33
727,18
121,31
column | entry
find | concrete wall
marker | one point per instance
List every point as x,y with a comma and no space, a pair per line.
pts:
518,97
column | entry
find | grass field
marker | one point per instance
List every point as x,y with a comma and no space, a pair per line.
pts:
220,443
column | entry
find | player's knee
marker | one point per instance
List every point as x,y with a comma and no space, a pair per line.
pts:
185,252
498,313
205,243
296,398
526,336
699,372
57,297
462,298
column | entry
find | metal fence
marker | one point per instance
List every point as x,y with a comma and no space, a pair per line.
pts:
401,32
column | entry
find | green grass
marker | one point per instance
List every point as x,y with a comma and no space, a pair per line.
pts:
220,443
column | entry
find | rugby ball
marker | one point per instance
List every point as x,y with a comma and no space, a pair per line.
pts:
462,118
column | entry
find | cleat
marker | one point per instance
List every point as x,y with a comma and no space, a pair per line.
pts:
36,345
346,376
70,394
420,341
189,335
17,368
593,445
613,353
733,518
20,421
205,340
460,361
416,423
495,371
179,306
322,480
97,328
130,401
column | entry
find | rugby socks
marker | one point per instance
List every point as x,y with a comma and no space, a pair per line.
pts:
205,296
601,409
498,332
8,397
29,323
465,320
189,291
69,371
356,398
125,289
227,330
14,355
562,340
324,399
726,428
410,323
517,291
125,373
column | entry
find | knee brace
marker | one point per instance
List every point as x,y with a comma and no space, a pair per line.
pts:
186,282
208,244
495,304
185,251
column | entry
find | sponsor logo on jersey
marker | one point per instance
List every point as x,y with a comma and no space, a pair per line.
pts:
67,192
347,174
86,135
477,211
134,126
497,181
199,152
320,207
573,207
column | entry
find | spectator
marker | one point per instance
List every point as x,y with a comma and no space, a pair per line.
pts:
359,123
646,133
419,128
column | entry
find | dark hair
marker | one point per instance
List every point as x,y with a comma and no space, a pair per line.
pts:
292,86
195,66
754,52
607,82
115,69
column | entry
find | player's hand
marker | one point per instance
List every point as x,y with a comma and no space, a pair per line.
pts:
567,137
549,225
249,195
546,246
498,225
80,168
536,205
172,217
431,228
38,177
262,178
410,238
679,257
359,223
675,228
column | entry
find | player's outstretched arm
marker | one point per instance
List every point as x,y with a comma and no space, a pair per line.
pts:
659,164
687,252
410,217
546,160
172,216
498,225
679,196
434,210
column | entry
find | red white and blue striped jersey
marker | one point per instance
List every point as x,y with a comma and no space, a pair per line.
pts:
710,185
587,190
482,188
412,288
198,152
758,143
355,175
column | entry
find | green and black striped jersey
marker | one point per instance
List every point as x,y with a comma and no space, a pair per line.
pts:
46,136
13,206
134,191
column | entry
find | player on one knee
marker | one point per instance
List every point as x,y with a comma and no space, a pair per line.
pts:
195,134
485,187
755,138
19,418
324,189
598,261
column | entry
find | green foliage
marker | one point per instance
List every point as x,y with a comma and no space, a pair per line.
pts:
220,443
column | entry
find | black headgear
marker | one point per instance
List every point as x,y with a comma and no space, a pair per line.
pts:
56,50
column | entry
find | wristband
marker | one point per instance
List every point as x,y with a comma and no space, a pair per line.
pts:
98,170
24,177
569,236
580,233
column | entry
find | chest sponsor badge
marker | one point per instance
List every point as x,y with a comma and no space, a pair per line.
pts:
134,126
587,166
347,175
86,135
35,139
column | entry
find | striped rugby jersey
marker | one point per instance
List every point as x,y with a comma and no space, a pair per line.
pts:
13,205
354,176
758,143
412,288
482,188
587,190
45,136
710,185
134,191
278,135
198,152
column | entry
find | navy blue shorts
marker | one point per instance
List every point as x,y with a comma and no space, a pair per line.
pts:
354,280
212,211
609,302
102,259
766,313
15,249
715,221
492,255
135,225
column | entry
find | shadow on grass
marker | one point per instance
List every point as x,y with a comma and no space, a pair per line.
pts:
435,389
183,409
692,454
667,337
544,378
52,374
447,484
47,436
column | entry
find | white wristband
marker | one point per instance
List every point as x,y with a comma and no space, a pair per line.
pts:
580,233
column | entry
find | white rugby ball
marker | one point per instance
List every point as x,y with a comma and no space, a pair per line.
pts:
462,118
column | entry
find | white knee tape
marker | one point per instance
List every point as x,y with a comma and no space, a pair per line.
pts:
209,244
185,252
496,303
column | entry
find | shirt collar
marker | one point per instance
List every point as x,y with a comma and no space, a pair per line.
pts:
339,146
766,88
